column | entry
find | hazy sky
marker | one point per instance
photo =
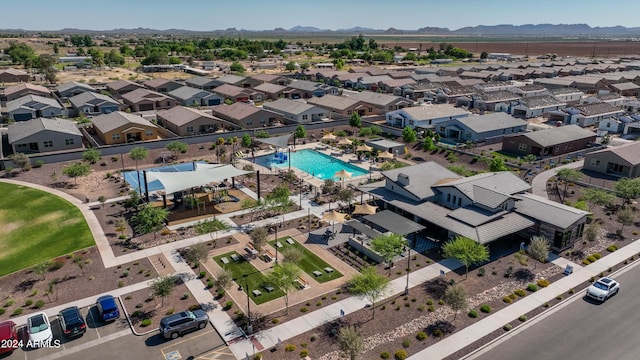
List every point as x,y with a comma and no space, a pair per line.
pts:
324,14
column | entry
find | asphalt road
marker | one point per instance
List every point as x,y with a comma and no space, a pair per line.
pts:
583,330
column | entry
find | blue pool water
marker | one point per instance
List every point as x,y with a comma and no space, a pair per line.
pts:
131,177
317,164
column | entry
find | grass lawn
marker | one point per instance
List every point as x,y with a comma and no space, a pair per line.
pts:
36,226
310,262
255,279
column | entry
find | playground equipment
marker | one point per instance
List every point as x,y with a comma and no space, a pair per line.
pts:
280,157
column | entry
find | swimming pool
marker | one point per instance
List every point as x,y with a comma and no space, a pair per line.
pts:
315,163
131,177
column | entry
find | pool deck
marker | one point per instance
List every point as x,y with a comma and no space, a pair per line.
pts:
324,149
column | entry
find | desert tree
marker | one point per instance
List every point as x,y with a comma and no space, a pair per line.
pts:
163,286
40,268
600,197
350,341
389,246
76,170
177,147
211,227
369,285
285,277
592,231
138,153
197,253
150,220
91,155
456,297
539,249
224,279
567,176
291,254
627,189
466,251
259,237
625,216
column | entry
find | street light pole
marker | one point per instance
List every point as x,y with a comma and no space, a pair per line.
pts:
246,284
406,289
276,227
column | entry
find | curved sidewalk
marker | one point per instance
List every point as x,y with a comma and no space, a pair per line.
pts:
539,182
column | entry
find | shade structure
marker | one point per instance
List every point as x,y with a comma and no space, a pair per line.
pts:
343,174
344,141
334,217
329,136
364,147
385,155
204,174
365,209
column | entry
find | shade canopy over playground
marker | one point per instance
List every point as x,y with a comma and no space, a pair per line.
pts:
202,175
278,141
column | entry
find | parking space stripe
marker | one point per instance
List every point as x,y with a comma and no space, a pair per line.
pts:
93,320
185,340
87,345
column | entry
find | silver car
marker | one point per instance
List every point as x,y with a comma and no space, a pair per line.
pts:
603,289
175,325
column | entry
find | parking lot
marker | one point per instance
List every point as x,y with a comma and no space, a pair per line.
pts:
116,341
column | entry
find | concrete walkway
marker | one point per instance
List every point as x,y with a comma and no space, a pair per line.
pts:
497,320
539,182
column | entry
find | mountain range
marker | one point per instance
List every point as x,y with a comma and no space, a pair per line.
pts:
547,30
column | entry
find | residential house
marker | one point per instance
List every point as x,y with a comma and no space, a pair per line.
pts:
203,83
231,79
237,94
341,106
91,103
302,89
614,125
146,100
121,87
161,85
386,145
626,89
591,114
379,103
72,88
295,111
529,90
535,106
190,96
425,116
478,128
549,142
570,96
120,128
32,106
17,91
270,91
12,75
185,121
271,79
623,161
394,86
246,115
44,135
493,100
369,83
487,208
417,91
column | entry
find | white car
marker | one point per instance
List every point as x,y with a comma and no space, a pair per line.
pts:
603,289
39,330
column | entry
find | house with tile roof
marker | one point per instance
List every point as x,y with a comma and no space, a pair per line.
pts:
161,85
121,128
425,116
237,94
185,121
92,103
303,89
270,91
19,90
12,75
73,88
295,111
380,103
622,161
487,208
33,106
549,142
341,106
201,82
478,128
190,96
146,100
246,115
121,87
44,135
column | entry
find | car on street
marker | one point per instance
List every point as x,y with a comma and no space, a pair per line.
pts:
107,308
175,325
9,340
72,322
39,330
603,289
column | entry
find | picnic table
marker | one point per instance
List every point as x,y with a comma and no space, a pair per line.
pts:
328,269
278,244
224,260
235,257
290,241
317,273
268,288
256,292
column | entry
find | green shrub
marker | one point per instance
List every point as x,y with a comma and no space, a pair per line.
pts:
485,308
39,304
572,291
400,355
512,296
228,305
437,333
406,343
559,297
185,296
586,262
440,302
597,255
17,312
290,348
520,293
507,327
170,311
202,274
430,308
2,311
507,300
139,305
612,248
543,283
532,287
304,309
421,308
421,335
481,271
546,305
38,163
9,302
591,258
385,355
522,318
56,264
145,322
304,353
429,302
195,307
473,314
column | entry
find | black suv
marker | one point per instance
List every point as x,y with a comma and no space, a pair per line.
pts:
175,325
71,322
